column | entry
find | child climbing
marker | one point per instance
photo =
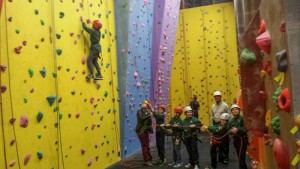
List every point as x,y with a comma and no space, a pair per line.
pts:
220,136
160,134
174,124
95,49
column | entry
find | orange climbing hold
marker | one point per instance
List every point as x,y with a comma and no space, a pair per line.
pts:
284,101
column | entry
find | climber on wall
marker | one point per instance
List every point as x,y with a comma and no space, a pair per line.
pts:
95,49
217,109
144,128
195,106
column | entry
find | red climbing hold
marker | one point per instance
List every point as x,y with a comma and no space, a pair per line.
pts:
284,101
281,154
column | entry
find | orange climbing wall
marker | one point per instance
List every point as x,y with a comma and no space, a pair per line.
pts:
84,116
205,57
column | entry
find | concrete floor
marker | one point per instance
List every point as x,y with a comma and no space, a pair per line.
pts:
136,160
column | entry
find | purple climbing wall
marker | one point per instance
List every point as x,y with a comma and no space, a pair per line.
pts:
164,33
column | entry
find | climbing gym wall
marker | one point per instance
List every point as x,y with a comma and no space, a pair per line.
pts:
137,70
51,116
165,23
205,57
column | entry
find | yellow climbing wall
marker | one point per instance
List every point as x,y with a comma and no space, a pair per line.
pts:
81,128
205,57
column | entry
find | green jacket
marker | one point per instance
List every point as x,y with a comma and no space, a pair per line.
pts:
238,122
160,119
218,130
189,132
175,130
144,122
94,37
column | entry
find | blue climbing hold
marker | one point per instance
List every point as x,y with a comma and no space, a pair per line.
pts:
51,99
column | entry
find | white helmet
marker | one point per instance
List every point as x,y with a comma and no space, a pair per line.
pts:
187,108
235,106
225,116
217,93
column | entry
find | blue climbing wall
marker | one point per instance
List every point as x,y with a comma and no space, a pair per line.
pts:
138,64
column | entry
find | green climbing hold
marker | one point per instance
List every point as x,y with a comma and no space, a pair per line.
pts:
61,14
58,36
51,99
108,111
55,108
73,92
43,72
56,124
99,15
25,100
42,22
30,70
60,116
58,51
36,11
54,74
105,94
275,125
39,116
107,65
110,82
40,155
39,136
17,31
247,57
108,49
276,95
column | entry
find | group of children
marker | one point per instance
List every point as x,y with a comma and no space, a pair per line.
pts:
187,131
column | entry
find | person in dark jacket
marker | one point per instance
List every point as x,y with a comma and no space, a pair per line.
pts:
190,126
160,133
95,49
144,128
194,104
174,124
219,137
239,132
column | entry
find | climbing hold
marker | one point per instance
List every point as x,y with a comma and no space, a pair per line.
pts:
96,145
9,19
92,100
282,26
61,14
83,60
264,42
82,151
107,65
24,43
262,27
55,108
39,116
58,51
282,61
123,51
83,72
281,154
43,72
247,57
42,22
12,142
12,163
136,74
97,157
24,121
73,92
267,66
18,49
98,86
77,115
56,124
12,120
3,89
3,67
90,161
17,31
54,74
30,70
60,116
71,34
58,36
40,155
276,94
284,101
36,11
51,99
279,78
26,158
105,94
275,125
39,136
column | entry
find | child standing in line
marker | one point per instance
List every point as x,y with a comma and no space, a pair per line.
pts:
160,134
240,139
220,136
176,137
190,127
95,49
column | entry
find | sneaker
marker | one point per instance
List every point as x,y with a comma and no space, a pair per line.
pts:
148,163
90,76
196,167
98,77
162,162
171,164
188,165
178,165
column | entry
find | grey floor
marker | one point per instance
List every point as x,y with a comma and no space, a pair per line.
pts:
136,160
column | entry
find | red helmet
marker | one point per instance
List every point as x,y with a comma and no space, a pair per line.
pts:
147,102
97,24
178,110
161,106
